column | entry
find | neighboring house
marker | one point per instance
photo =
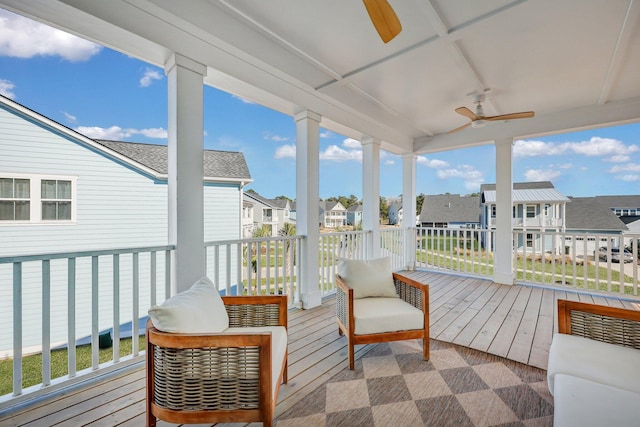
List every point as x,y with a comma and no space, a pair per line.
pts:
272,213
627,208
395,213
591,215
332,215
63,192
450,211
537,206
354,215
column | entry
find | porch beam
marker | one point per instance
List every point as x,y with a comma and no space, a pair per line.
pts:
409,208
307,198
185,169
503,256
371,194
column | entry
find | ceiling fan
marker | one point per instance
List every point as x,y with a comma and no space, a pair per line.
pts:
478,119
384,19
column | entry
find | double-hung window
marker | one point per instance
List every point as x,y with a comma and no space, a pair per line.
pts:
15,201
36,199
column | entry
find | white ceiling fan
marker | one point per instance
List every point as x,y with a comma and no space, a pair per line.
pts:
478,119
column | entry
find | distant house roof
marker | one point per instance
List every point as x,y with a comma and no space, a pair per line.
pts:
280,203
450,208
255,196
355,208
396,205
218,165
591,213
538,192
622,202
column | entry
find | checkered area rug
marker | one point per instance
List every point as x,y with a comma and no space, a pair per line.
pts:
392,386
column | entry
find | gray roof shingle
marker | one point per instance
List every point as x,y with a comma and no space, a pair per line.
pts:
450,208
217,164
591,213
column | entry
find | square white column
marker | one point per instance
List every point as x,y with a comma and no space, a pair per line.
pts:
185,169
409,209
503,256
371,194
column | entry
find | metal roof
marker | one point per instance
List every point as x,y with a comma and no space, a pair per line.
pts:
543,195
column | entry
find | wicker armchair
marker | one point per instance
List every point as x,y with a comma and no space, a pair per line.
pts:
601,323
223,377
414,293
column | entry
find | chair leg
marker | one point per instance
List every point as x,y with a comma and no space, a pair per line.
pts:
351,354
425,348
340,331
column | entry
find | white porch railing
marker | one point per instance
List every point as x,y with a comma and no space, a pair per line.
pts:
63,300
463,250
270,265
333,246
578,261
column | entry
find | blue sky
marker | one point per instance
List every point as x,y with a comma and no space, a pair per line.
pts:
106,95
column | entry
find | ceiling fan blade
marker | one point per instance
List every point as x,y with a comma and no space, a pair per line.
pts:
384,19
522,115
460,128
467,113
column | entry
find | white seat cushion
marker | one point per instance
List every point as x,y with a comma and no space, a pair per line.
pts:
278,347
197,310
584,403
376,315
593,360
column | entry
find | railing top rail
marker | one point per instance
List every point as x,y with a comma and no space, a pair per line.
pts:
252,240
342,233
81,254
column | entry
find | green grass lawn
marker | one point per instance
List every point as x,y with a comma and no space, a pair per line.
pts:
32,365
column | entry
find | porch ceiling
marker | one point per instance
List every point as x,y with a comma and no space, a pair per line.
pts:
575,62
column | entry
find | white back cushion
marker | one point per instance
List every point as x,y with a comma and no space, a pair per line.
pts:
195,311
371,278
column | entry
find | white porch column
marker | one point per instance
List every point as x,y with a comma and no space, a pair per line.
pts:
185,169
371,194
409,208
503,256
307,198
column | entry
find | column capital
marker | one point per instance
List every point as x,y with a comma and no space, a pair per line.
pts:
307,114
177,60
366,140
504,141
409,156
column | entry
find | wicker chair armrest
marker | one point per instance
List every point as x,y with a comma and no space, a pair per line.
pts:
344,299
267,310
598,322
411,291
211,340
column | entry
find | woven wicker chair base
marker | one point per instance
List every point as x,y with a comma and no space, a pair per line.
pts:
210,378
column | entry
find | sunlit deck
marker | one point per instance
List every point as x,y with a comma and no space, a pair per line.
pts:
516,322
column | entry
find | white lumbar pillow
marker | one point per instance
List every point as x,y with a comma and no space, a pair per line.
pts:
195,311
371,278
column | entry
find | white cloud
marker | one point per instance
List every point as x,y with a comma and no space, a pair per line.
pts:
337,154
6,89
619,158
286,151
149,76
628,177
532,175
471,176
432,163
276,138
629,167
326,134
116,133
70,118
153,133
595,147
23,38
245,100
389,162
352,143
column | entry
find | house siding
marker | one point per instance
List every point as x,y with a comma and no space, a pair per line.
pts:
116,206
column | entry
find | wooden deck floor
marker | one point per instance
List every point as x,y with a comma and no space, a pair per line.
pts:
516,322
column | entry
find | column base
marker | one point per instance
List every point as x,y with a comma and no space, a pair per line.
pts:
503,278
311,300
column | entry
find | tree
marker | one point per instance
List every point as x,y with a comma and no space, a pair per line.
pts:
384,210
288,229
284,198
419,201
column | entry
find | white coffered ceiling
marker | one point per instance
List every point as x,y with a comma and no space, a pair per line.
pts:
576,63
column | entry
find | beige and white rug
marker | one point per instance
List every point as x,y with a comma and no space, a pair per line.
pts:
392,386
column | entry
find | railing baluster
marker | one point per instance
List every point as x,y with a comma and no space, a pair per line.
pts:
71,317
116,307
95,297
17,328
46,322
136,305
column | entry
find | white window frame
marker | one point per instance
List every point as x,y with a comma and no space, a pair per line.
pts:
35,199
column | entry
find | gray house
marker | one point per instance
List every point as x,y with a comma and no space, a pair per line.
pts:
450,211
63,192
262,212
354,215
